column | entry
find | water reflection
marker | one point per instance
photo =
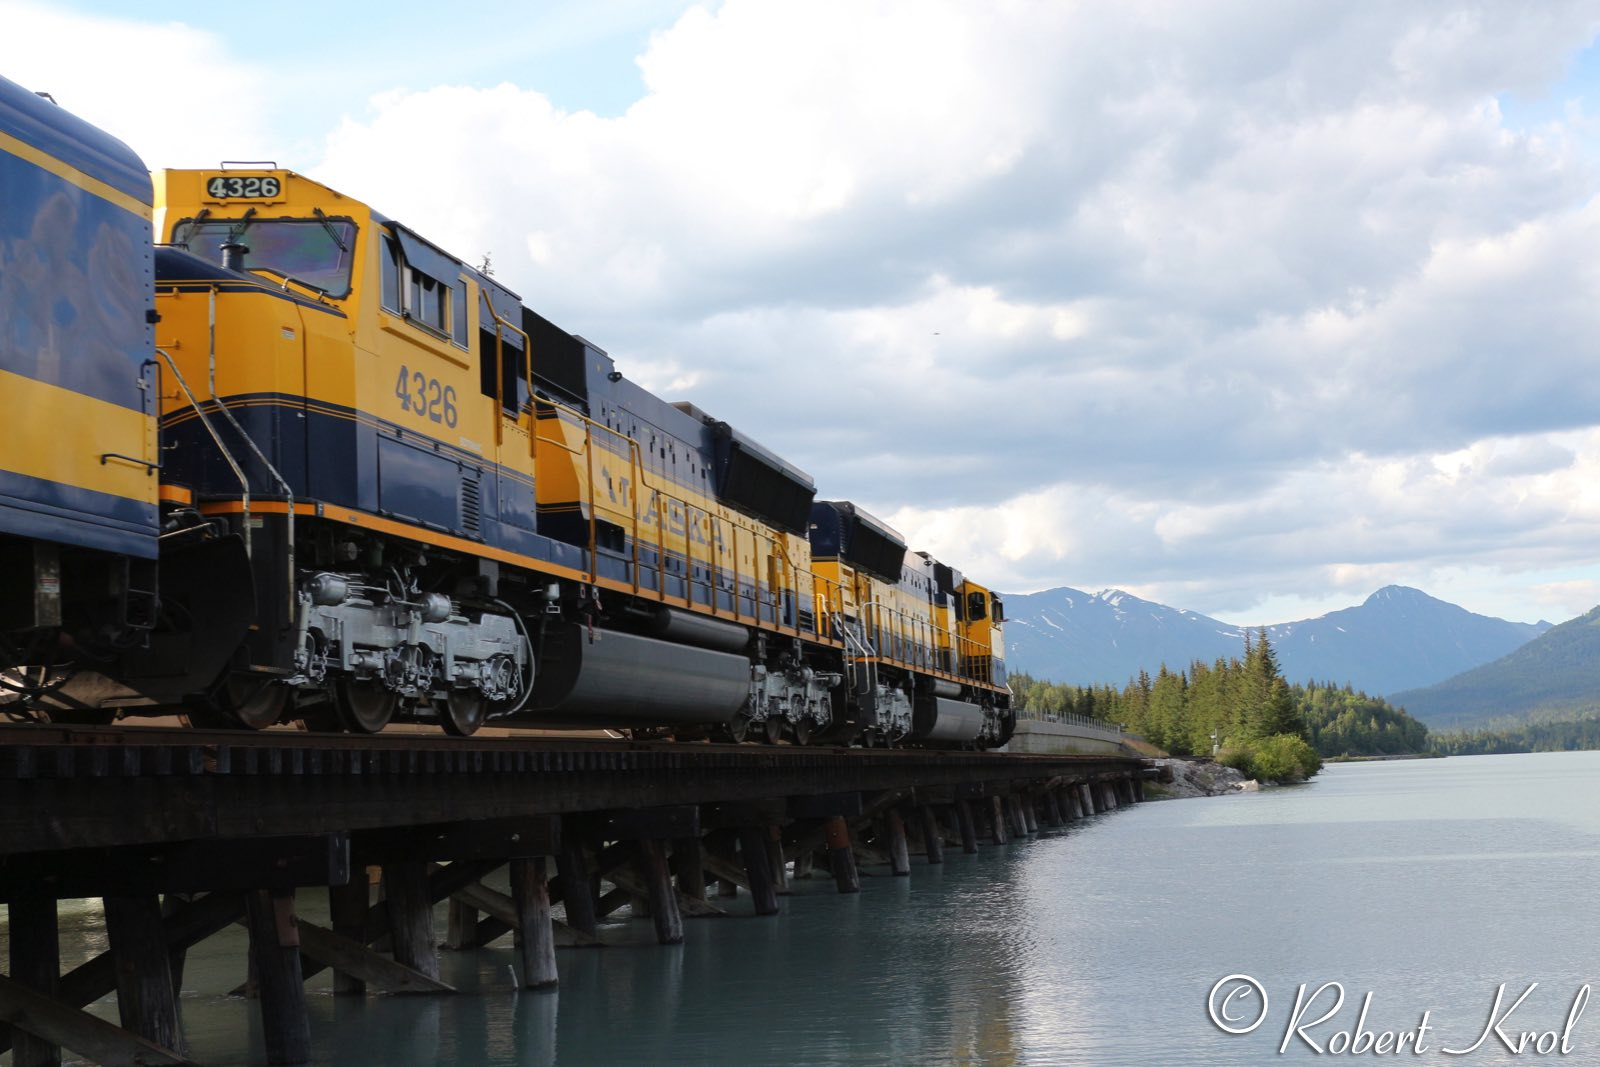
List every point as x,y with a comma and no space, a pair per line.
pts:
1426,884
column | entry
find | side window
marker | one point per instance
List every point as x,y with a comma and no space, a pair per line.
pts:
502,350
420,298
427,300
393,266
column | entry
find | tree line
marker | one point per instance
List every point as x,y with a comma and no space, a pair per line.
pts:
1573,736
1234,703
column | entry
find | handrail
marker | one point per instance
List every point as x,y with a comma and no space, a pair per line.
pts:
1070,718
282,483
244,483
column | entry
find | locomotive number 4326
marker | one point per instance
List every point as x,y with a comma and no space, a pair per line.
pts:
422,395
233,186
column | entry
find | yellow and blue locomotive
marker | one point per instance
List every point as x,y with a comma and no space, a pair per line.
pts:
454,511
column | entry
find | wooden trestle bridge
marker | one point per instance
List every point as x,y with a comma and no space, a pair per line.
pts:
182,833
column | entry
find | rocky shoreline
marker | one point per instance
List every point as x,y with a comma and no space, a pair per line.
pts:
1198,778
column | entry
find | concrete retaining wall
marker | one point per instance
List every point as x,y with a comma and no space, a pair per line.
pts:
1039,736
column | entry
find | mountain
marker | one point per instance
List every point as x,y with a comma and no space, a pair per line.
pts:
1399,638
1081,638
1555,677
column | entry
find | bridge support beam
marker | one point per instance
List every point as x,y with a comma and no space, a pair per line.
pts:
1018,824
895,830
932,836
536,941
841,857
577,889
965,824
462,931
275,948
36,964
1052,810
997,820
651,864
758,869
146,1002
688,865
347,915
405,886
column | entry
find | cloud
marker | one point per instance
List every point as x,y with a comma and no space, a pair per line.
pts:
1224,302
176,94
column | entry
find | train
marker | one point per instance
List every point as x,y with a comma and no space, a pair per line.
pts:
270,456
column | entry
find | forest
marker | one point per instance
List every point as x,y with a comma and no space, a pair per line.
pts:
1582,734
1233,703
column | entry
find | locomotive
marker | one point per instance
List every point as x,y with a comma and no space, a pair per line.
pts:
350,479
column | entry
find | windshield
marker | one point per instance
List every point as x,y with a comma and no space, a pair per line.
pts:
315,252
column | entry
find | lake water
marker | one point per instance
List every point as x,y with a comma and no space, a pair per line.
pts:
1426,883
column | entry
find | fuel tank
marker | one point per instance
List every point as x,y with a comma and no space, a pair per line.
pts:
947,721
620,679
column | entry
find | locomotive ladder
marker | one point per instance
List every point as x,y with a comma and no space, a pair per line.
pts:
855,648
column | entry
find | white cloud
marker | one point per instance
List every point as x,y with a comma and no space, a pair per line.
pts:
177,95
1240,302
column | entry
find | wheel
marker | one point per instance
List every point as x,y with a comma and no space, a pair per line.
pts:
252,702
773,729
804,729
463,712
364,707
737,730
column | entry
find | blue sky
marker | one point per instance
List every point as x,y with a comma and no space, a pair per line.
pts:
1246,307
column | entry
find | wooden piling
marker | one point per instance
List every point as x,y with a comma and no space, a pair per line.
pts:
1052,810
1110,793
1138,790
577,892
841,857
1018,821
172,904
145,1000
651,864
753,851
537,944
1030,817
275,948
1089,806
932,835
804,862
688,865
780,870
1063,798
347,916
36,964
463,929
411,916
895,829
964,822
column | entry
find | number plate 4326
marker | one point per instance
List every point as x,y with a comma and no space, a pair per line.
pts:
426,397
243,187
